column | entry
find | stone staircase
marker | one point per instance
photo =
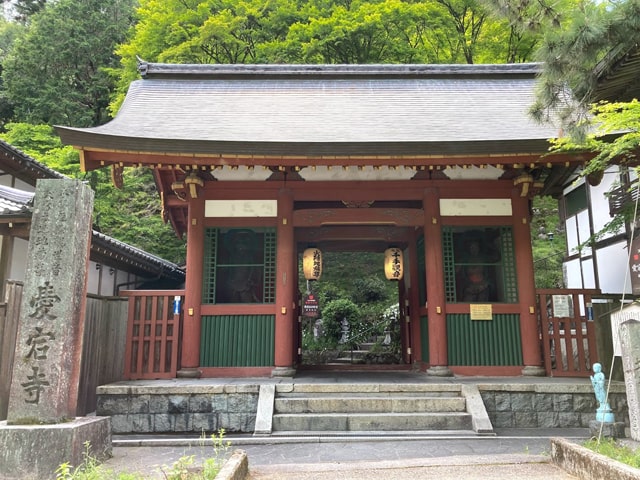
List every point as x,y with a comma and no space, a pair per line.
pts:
371,409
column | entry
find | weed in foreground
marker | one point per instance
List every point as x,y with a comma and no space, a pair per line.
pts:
612,449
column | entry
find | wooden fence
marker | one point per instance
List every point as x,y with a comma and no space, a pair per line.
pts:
103,350
567,325
154,333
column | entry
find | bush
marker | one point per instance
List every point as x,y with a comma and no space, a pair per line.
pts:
334,312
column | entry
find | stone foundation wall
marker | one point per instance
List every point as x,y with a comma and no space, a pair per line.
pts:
166,407
201,410
548,406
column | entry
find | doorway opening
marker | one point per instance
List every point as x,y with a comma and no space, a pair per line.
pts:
351,315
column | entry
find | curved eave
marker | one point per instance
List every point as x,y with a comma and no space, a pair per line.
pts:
97,151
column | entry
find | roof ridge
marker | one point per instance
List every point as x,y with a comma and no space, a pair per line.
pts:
150,69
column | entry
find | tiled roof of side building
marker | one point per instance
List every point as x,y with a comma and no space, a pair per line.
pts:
16,202
21,165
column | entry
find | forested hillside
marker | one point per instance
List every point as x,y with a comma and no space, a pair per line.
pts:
69,62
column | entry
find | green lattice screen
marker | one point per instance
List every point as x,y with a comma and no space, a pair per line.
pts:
422,271
499,265
239,265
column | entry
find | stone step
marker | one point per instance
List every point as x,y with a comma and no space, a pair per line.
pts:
348,403
432,389
366,422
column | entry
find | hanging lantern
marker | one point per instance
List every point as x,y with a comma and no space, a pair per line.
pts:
312,263
393,264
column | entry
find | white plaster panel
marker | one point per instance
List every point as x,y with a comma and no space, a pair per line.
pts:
584,231
588,274
364,173
473,173
572,274
613,269
572,234
475,207
240,208
242,173
18,259
93,278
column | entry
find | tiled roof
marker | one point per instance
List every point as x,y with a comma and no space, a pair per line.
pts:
618,75
21,165
325,109
15,202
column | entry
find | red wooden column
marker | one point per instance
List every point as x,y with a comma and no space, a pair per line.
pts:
286,261
190,360
531,354
436,303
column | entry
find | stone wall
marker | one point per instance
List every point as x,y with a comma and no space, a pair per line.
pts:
164,410
548,406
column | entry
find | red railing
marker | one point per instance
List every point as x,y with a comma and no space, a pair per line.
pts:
567,331
153,334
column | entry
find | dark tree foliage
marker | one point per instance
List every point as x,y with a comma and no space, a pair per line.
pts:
26,8
55,73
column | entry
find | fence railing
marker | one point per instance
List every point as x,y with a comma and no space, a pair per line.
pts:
567,330
153,334
9,316
103,345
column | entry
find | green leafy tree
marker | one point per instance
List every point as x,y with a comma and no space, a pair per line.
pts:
54,73
9,31
548,241
316,31
131,215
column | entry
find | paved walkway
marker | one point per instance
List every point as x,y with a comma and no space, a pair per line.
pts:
512,454
509,455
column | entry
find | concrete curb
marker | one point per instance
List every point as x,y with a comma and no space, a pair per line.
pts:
588,465
235,468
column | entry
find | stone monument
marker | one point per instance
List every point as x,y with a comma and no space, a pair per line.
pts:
629,335
42,430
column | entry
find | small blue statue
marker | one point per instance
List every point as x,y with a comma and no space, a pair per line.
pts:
603,413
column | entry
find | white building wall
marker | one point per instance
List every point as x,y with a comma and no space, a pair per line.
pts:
18,262
613,269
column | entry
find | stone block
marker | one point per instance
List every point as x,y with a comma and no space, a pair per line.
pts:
522,402
162,423
203,422
525,420
503,420
139,404
563,403
108,405
35,452
548,420
233,422
584,403
238,403
158,403
543,402
219,403
178,404
120,424
568,419
503,402
489,400
140,423
179,422
200,404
